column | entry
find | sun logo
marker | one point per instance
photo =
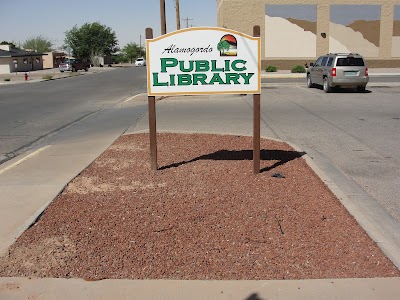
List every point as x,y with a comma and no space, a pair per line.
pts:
227,46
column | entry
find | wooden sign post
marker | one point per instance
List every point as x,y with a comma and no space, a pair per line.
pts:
152,120
256,121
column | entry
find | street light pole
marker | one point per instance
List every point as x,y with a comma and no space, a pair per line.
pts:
140,45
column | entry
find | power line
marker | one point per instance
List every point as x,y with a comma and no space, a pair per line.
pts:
187,22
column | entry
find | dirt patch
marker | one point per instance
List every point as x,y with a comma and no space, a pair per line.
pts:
40,257
202,215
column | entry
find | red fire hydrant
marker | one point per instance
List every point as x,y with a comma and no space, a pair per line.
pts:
26,76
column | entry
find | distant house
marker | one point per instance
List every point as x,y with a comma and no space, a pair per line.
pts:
53,59
16,60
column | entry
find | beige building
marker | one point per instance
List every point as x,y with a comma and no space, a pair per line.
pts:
16,60
297,31
53,59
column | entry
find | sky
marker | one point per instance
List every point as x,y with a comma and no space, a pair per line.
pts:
22,19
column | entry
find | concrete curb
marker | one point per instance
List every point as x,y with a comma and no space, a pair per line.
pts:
388,242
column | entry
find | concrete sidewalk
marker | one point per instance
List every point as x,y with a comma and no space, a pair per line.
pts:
37,76
29,183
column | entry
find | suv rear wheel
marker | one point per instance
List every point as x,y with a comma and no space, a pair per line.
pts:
327,87
361,89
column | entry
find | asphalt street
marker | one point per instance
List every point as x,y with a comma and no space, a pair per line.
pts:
32,112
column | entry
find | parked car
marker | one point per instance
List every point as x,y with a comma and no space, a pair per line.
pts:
337,70
74,65
140,62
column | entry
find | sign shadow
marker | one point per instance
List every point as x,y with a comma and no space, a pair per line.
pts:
280,156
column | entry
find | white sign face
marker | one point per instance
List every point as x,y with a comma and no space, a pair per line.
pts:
203,61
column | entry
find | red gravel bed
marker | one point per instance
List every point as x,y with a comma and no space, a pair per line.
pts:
203,215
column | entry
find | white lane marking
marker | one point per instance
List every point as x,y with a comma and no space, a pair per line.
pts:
24,159
133,97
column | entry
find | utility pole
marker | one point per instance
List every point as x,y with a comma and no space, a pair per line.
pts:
163,19
187,22
178,16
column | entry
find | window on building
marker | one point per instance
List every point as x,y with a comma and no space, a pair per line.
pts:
37,59
25,61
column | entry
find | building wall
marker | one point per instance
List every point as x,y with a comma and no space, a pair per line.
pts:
53,59
48,60
370,28
26,64
5,65
396,32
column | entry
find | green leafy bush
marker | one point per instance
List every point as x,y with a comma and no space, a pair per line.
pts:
47,77
7,79
298,69
271,69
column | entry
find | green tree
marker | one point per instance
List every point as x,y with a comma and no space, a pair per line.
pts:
223,46
38,44
119,58
91,40
132,51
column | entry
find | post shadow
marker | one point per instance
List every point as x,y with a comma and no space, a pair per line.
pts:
281,156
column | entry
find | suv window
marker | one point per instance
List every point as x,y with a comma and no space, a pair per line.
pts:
350,61
324,61
330,60
318,62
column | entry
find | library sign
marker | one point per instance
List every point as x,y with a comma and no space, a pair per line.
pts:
203,61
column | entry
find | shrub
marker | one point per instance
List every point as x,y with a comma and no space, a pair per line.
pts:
7,79
298,69
271,69
47,77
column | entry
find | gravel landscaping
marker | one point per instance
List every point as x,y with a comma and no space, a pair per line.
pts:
202,215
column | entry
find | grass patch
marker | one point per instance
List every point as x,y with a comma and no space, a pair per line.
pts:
47,77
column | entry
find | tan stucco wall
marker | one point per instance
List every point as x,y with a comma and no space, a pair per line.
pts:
48,60
243,15
4,65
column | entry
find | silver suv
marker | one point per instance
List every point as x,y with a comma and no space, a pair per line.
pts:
338,70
